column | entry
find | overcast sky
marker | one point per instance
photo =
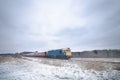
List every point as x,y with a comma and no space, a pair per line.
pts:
40,25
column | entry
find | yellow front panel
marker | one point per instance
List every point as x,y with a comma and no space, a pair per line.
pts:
68,53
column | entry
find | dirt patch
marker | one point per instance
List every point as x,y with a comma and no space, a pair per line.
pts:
54,62
116,67
96,65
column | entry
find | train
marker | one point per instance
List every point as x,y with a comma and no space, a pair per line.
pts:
57,53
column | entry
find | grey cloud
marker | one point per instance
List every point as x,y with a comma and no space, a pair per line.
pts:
104,25
11,31
102,29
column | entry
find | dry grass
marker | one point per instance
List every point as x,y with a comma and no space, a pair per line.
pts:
98,63
11,59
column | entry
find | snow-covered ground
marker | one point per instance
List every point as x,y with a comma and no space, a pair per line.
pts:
39,69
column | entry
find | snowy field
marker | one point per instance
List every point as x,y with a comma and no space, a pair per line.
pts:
51,69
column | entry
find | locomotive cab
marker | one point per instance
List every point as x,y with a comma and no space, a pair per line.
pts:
67,52
59,53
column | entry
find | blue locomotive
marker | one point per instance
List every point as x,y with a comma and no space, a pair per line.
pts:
59,53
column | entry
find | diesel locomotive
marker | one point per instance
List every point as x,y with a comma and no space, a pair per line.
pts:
59,53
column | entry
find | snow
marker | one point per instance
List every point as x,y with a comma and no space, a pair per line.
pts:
34,69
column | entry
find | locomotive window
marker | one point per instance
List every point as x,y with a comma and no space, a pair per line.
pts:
60,51
68,50
63,51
